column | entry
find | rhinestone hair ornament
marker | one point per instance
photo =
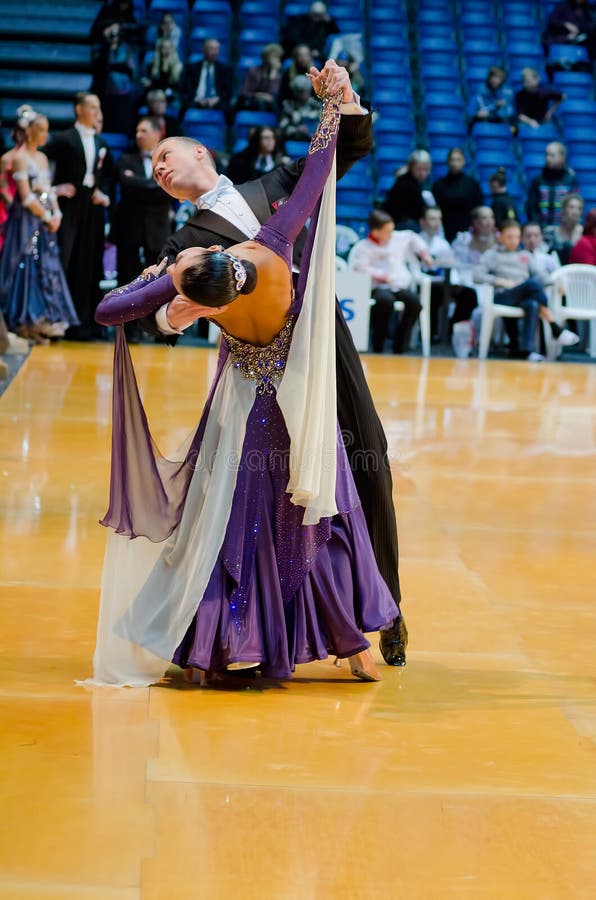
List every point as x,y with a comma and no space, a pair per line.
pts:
239,272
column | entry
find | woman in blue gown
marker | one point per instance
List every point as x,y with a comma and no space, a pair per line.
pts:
34,295
252,547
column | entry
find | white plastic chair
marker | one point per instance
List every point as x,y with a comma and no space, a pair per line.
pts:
340,264
345,238
577,282
492,311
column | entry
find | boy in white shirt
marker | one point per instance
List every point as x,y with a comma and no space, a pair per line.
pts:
383,255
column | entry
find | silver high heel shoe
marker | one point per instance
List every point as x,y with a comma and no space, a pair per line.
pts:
362,666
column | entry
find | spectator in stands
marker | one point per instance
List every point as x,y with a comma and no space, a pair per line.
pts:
157,105
457,194
8,186
141,223
542,263
545,196
405,200
299,116
263,153
383,255
563,237
312,28
494,102
114,80
571,23
510,272
208,83
443,288
169,30
166,69
301,64
84,170
33,288
503,204
115,12
585,249
469,245
261,86
535,105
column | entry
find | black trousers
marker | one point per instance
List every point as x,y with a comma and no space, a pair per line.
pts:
366,446
465,300
381,313
81,243
128,260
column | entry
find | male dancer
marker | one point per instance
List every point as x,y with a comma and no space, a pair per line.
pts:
228,214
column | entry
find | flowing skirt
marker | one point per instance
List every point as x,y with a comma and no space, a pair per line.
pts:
33,286
241,579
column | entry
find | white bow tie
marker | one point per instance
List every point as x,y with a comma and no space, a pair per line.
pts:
222,187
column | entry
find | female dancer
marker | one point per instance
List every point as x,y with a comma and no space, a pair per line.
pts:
253,548
33,289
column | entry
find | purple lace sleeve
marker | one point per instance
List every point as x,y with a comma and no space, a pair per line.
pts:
138,299
284,226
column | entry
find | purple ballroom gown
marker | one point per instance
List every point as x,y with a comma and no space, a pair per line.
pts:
279,592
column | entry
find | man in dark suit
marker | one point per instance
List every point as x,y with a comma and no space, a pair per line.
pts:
142,220
228,214
208,83
83,174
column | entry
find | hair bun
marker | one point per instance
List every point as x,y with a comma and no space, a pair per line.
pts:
251,277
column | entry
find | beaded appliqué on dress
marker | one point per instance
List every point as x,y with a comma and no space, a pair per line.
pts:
265,365
328,123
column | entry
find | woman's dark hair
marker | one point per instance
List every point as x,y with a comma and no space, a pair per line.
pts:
253,149
499,177
211,280
510,223
378,218
496,70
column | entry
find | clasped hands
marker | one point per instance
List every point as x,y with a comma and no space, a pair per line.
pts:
332,78
180,312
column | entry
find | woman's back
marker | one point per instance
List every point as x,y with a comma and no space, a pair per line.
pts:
256,318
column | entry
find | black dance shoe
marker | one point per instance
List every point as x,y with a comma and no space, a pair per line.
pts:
393,643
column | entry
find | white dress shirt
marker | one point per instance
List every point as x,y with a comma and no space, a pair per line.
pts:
147,165
88,139
206,85
388,260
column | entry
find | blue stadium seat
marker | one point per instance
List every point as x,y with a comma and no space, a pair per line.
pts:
214,14
492,130
437,30
117,143
204,117
547,132
391,68
157,8
444,104
395,41
43,84
566,55
247,119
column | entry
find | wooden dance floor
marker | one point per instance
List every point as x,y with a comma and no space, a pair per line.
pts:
469,774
